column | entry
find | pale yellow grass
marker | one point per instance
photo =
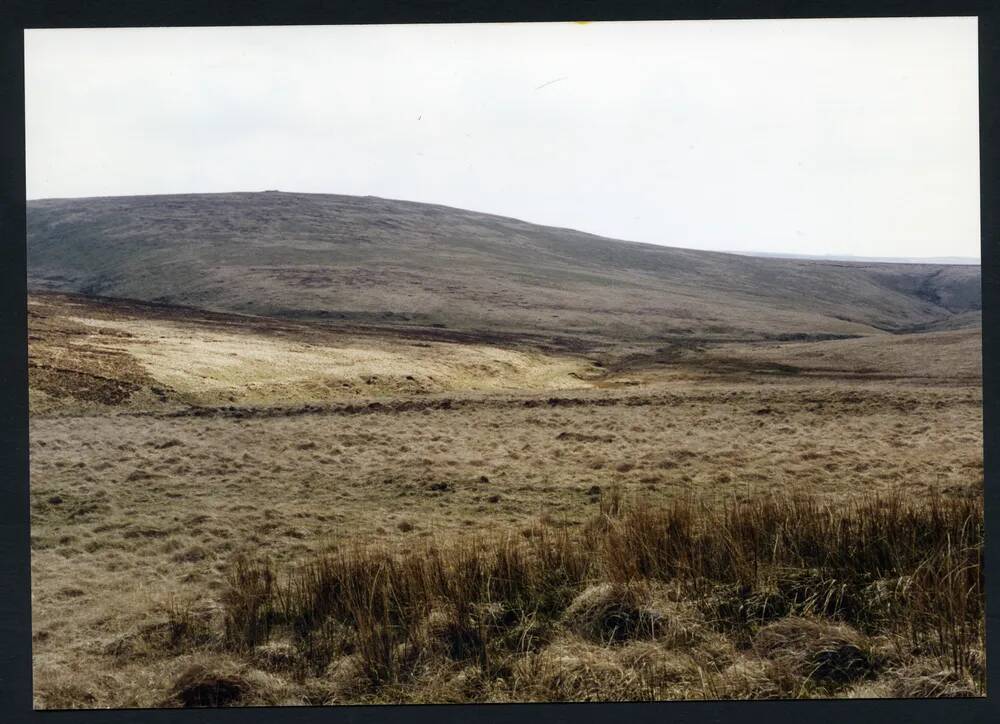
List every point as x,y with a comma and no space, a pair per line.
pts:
210,366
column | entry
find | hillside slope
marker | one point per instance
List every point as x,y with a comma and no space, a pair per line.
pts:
366,259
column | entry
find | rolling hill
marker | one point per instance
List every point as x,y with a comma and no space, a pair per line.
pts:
367,260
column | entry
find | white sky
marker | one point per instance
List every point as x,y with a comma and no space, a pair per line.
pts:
808,136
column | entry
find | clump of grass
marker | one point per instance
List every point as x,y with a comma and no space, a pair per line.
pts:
613,613
201,686
612,501
177,627
249,603
925,679
817,650
802,587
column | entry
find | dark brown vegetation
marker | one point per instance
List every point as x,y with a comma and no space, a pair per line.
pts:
805,599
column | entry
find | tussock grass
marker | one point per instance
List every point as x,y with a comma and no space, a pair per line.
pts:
770,597
201,686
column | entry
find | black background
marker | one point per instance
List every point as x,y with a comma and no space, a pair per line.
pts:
15,601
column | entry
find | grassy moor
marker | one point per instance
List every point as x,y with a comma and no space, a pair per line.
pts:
303,449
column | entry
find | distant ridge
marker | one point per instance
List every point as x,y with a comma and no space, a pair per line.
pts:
379,261
961,260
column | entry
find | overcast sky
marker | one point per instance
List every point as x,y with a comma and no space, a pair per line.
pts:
816,136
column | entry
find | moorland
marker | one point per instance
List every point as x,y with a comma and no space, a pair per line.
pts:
317,449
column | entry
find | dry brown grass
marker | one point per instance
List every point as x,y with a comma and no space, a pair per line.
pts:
552,609
586,528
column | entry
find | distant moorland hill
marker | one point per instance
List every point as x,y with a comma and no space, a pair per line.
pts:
374,260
